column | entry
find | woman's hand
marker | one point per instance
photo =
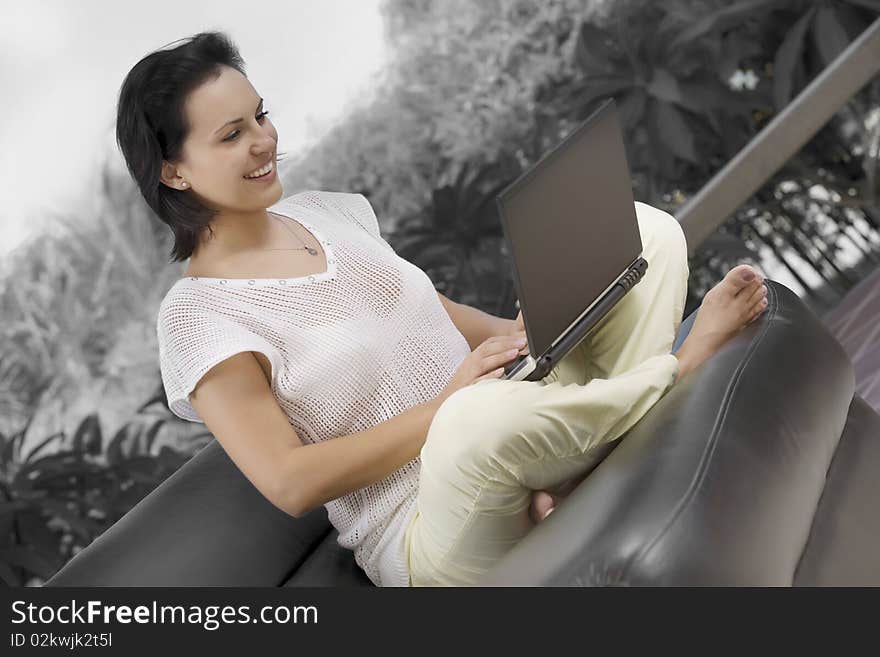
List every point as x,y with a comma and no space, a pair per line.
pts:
518,329
487,361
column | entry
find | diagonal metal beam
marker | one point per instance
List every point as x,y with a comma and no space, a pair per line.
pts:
780,139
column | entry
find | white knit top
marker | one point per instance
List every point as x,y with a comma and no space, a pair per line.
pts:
349,348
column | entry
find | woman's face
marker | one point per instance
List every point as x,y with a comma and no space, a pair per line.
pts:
219,152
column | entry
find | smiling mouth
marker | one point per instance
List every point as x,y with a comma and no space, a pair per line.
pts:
271,166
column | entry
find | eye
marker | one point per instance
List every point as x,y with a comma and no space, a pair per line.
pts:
234,133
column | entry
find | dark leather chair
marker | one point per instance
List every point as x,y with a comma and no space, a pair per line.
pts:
759,468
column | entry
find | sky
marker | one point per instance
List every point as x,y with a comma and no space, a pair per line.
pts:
62,63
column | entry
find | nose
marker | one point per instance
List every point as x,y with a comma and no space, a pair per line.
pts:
267,143
264,146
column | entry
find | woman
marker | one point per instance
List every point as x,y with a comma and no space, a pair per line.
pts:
333,373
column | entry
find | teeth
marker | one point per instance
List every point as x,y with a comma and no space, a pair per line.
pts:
260,172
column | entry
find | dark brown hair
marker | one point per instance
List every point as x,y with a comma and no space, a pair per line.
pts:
151,126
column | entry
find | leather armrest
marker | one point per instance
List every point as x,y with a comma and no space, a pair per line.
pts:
206,525
844,545
719,482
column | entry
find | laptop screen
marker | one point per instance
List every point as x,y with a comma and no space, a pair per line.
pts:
570,224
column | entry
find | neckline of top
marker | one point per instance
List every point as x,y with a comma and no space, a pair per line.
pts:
318,236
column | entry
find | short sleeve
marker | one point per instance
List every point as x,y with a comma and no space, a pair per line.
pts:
357,208
192,339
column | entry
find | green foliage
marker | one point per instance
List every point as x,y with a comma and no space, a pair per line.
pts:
79,305
63,493
479,91
454,119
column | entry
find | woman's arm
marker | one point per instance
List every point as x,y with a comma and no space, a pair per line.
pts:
240,409
329,469
320,472
475,325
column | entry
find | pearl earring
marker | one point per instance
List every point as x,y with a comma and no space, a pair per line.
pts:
185,184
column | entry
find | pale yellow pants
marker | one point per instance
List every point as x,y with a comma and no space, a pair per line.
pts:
494,442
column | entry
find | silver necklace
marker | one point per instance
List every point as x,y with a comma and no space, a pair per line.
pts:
305,247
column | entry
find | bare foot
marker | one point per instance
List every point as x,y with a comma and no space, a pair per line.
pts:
544,502
726,309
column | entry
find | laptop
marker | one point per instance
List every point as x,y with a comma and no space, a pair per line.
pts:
570,226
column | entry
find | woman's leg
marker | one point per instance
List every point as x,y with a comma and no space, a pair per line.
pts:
492,443
645,322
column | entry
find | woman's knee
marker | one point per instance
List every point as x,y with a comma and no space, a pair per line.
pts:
469,426
662,234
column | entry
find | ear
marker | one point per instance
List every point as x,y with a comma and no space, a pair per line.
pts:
170,177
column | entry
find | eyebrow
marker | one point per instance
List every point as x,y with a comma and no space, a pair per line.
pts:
236,120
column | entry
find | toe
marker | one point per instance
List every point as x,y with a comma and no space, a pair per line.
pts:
757,311
756,296
741,277
542,503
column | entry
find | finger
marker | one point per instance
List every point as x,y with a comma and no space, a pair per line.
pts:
494,374
502,343
504,357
